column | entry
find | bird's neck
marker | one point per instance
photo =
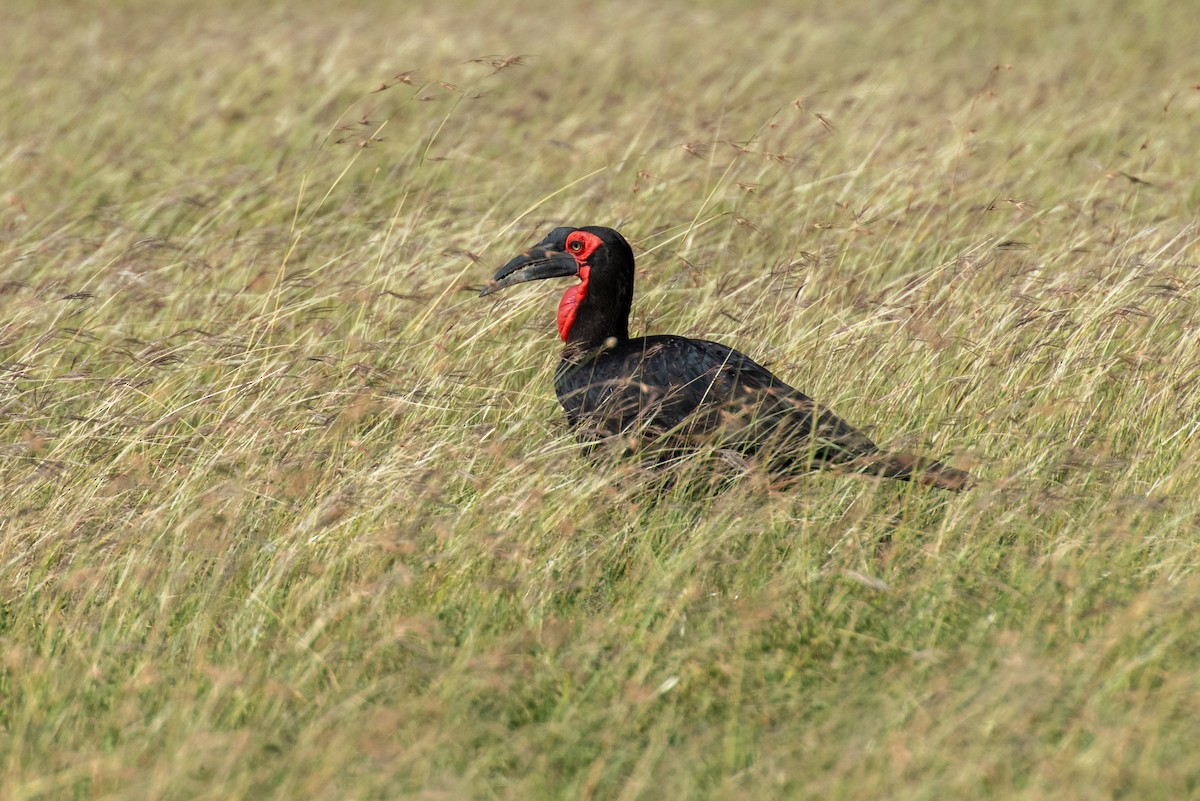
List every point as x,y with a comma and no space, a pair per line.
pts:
577,351
596,311
595,315
593,331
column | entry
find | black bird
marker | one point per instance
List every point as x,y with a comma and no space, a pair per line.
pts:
669,395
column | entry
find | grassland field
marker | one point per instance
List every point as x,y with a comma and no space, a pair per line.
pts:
287,512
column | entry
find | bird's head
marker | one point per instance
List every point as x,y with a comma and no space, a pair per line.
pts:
596,308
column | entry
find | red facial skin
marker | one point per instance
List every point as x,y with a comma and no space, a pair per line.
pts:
581,245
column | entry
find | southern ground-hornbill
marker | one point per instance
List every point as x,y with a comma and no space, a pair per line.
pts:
669,395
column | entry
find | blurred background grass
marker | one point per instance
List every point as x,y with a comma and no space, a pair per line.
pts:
287,512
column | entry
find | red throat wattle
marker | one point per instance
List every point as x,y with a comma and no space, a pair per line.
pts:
581,245
570,302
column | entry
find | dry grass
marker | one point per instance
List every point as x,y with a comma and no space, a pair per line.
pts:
288,513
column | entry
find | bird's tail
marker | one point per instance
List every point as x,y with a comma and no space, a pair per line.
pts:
908,467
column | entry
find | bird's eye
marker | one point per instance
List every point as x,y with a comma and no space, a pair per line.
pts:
575,245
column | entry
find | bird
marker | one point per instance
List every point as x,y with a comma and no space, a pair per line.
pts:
666,395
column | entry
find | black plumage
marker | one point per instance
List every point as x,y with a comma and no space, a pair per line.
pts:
668,395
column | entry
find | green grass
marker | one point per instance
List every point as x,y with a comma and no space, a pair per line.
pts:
286,511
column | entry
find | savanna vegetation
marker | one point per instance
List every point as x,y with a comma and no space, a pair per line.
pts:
288,512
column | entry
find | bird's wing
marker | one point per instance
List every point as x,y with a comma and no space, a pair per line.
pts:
753,410
695,391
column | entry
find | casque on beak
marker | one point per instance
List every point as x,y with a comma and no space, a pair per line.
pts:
533,265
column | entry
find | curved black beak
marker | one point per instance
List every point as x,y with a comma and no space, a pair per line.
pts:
533,265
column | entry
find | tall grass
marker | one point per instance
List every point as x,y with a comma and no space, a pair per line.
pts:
287,512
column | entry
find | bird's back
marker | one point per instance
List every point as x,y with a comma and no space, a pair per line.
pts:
696,393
